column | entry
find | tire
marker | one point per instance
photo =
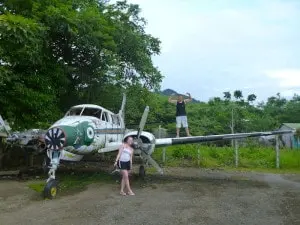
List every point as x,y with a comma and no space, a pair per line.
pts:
142,172
50,189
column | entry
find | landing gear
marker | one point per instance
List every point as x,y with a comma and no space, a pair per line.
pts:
142,172
50,189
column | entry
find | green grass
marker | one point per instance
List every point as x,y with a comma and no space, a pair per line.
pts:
69,184
250,158
37,186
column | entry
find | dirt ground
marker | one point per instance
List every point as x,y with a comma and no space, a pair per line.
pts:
193,196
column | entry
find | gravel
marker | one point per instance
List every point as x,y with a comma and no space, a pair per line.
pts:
193,196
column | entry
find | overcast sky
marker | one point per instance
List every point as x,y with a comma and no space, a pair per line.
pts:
212,46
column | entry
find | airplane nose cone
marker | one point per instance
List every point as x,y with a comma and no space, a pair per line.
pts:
55,138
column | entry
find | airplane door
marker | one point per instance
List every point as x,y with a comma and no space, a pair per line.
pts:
110,135
104,125
116,128
109,127
118,124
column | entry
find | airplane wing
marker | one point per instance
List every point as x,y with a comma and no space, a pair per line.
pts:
198,139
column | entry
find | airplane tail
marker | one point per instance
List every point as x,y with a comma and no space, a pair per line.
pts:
122,109
3,127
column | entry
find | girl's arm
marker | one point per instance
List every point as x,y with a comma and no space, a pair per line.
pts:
131,158
119,154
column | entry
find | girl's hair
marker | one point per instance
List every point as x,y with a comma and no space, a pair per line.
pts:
126,139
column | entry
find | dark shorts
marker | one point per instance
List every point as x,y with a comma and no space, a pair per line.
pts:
124,165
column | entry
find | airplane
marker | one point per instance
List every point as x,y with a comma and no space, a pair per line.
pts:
88,129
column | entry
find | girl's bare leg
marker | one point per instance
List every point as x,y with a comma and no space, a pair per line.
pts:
123,182
128,184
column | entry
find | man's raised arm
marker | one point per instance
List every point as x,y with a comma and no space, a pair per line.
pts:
172,100
189,99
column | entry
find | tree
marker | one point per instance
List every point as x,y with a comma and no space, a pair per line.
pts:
251,98
238,94
54,54
27,80
227,95
289,112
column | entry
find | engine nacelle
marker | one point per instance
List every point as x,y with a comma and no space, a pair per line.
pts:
147,141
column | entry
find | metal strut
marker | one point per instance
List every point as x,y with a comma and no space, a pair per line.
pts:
54,163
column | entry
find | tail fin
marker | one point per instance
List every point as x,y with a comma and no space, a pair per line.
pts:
122,109
3,126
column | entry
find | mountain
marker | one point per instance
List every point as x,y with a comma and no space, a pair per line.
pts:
169,92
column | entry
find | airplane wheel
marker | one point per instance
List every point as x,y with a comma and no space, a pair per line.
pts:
142,172
50,189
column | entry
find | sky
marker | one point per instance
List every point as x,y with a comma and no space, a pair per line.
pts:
212,46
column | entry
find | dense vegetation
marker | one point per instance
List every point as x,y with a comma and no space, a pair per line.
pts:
250,157
57,53
218,115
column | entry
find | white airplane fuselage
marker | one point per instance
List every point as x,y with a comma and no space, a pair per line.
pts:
87,129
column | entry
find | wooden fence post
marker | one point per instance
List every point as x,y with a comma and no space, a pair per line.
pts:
277,152
236,147
164,149
198,155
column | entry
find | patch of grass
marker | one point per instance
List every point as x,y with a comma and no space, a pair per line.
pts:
37,186
250,158
71,183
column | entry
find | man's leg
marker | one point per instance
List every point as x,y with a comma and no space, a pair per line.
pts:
178,125
187,132
177,132
186,126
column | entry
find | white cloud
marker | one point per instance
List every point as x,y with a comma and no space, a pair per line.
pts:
290,93
286,77
209,47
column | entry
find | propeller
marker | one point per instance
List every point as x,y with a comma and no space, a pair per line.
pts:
143,122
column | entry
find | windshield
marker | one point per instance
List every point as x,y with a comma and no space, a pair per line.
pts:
80,111
74,112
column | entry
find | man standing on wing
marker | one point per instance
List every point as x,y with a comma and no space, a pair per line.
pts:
181,118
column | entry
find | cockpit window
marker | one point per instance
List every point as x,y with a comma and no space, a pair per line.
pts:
104,116
74,112
115,120
91,112
77,111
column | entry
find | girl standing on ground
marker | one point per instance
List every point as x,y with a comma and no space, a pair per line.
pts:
124,162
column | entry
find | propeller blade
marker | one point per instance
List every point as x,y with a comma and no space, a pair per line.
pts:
143,122
199,139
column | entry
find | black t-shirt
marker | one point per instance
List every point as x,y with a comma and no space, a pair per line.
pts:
180,109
